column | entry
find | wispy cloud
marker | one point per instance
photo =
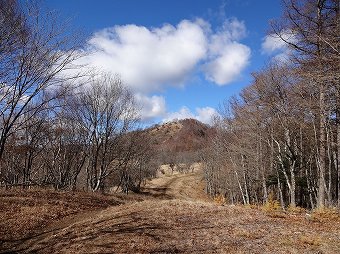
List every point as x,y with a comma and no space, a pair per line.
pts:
205,115
276,46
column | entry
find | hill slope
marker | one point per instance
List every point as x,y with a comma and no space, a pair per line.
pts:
172,214
172,220
180,142
186,135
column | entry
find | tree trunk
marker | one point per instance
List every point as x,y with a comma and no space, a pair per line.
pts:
293,186
322,150
337,85
247,199
262,169
338,147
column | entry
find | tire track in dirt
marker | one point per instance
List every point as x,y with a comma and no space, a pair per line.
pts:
189,186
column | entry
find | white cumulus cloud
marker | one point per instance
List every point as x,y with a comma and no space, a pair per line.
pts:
227,57
228,65
206,114
150,59
151,106
276,46
183,113
272,43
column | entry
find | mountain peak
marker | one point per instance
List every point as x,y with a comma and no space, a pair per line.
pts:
186,135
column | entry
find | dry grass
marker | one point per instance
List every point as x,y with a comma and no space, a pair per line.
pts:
326,215
22,213
177,226
170,220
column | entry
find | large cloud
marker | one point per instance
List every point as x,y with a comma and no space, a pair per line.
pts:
150,59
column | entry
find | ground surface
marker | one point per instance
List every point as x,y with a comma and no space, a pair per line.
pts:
172,215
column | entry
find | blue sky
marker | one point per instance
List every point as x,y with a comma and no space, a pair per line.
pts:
181,58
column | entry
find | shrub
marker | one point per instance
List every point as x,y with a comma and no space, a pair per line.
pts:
296,210
325,214
272,205
219,199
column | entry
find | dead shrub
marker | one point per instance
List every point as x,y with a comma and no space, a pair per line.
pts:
296,210
273,208
325,215
219,199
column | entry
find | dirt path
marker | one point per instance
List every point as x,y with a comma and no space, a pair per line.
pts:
176,218
189,187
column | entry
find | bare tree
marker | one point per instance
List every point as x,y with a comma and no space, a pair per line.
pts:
136,161
34,51
104,110
311,26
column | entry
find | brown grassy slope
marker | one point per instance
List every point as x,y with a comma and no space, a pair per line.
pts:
177,226
22,213
171,220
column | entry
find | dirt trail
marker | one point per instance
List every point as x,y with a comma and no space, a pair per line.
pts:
189,187
178,186
175,218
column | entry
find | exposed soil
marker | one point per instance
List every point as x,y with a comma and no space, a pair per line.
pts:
177,217
189,187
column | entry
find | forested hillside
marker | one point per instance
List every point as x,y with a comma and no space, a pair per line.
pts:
280,137
180,141
66,128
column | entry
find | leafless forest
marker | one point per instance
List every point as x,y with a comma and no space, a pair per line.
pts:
62,127
72,147
69,129
280,138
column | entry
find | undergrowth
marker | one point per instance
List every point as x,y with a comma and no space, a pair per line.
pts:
326,214
219,199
